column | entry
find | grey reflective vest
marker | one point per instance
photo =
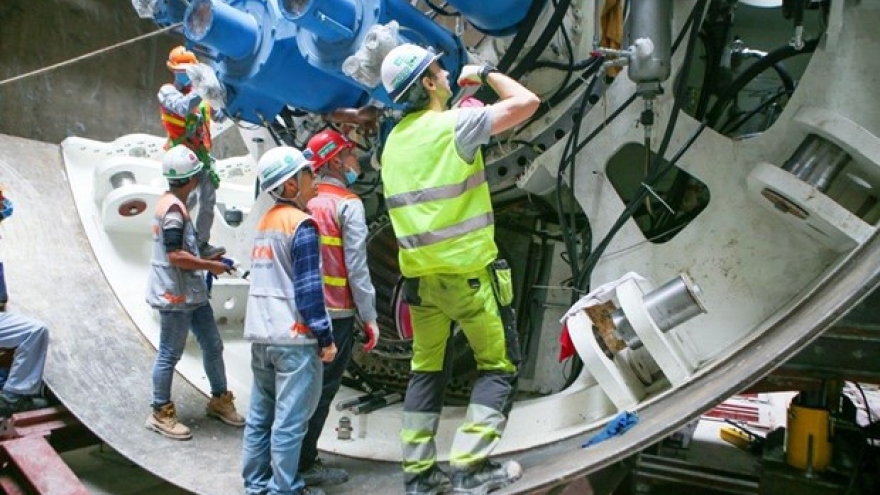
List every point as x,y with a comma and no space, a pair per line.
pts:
169,287
439,204
272,317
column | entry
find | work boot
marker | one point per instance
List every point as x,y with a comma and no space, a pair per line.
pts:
164,422
319,474
223,408
485,478
431,482
309,490
13,403
210,252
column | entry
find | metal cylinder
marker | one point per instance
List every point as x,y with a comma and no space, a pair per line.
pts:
343,431
817,162
228,30
669,305
123,178
652,20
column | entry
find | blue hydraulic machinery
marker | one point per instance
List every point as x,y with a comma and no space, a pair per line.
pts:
272,54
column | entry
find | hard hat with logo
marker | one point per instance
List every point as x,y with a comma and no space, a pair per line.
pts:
179,57
403,66
180,163
279,164
325,145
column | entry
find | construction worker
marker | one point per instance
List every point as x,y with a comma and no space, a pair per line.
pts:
288,327
348,289
178,290
438,200
29,341
187,120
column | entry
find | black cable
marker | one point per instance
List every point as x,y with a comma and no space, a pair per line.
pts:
439,10
752,72
634,203
865,399
655,173
738,123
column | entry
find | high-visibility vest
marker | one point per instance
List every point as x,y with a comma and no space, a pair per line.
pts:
169,287
440,206
325,211
197,121
271,316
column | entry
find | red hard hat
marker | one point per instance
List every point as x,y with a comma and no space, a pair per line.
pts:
325,145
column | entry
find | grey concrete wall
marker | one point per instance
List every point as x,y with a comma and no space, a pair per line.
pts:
102,97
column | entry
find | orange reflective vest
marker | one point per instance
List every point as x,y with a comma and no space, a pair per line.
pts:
324,209
192,130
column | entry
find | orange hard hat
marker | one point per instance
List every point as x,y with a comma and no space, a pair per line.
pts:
179,57
325,145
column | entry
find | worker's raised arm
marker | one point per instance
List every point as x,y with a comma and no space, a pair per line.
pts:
515,104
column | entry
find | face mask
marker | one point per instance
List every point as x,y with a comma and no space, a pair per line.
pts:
350,176
181,78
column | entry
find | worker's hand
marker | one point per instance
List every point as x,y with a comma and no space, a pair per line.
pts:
328,354
470,75
219,267
5,209
372,331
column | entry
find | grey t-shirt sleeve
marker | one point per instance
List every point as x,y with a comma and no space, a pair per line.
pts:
173,219
473,128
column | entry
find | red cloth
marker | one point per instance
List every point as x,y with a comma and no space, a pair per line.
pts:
566,346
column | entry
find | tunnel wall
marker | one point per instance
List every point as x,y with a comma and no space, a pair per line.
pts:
102,97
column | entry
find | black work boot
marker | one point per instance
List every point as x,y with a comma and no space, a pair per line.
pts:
431,482
486,477
10,405
319,474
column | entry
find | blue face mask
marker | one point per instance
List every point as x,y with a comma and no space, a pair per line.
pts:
350,176
181,78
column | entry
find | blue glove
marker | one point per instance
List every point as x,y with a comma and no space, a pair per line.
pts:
7,209
618,426
209,277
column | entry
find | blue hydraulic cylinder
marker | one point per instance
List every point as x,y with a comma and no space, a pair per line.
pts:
260,62
329,20
230,31
495,17
324,26
169,12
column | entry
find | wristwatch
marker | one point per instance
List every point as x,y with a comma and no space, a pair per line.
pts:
485,71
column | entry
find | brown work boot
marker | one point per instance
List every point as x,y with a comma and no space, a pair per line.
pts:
164,422
223,408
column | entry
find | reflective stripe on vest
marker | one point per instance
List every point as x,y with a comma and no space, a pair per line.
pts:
325,211
271,314
439,204
169,287
177,126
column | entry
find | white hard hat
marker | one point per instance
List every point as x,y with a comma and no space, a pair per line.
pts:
403,66
180,163
279,164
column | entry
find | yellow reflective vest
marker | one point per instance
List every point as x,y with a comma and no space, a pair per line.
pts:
439,204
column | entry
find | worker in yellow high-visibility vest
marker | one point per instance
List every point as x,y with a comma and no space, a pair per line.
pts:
439,204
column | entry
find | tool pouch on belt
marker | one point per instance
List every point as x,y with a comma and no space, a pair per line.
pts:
502,284
503,280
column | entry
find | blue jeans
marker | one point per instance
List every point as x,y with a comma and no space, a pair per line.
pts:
287,385
343,329
175,326
30,338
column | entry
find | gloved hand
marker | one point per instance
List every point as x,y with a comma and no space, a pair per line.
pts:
6,212
470,75
372,331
